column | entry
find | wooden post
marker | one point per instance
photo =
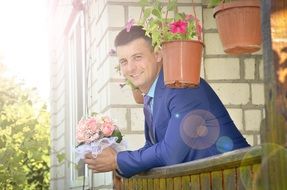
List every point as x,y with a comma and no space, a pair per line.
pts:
274,30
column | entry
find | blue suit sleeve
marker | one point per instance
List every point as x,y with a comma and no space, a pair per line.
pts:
170,150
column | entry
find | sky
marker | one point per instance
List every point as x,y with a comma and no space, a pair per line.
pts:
24,42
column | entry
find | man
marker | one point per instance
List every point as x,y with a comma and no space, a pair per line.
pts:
184,124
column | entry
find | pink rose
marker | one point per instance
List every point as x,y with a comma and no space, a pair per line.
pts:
92,125
108,129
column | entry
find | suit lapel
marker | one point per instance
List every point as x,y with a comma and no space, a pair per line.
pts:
157,99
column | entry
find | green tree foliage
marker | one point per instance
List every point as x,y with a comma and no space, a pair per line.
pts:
24,137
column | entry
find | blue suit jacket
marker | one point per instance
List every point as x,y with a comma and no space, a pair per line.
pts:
189,124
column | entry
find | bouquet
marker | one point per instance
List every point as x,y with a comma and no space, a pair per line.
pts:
96,133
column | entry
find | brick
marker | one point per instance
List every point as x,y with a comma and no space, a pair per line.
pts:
249,139
111,37
60,183
137,119
259,52
249,65
134,13
252,120
103,75
232,93
113,62
202,70
213,45
61,171
108,178
237,117
119,116
116,16
120,95
103,98
257,91
99,179
222,68
135,141
209,21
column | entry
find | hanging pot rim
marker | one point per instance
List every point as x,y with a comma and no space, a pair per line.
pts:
235,4
192,40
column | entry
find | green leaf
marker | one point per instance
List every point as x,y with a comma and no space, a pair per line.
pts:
147,13
61,157
172,5
156,13
118,134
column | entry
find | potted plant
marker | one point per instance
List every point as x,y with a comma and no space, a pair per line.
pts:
178,35
238,24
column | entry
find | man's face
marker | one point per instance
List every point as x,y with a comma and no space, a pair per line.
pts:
139,63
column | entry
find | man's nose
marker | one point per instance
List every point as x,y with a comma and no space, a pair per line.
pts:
131,66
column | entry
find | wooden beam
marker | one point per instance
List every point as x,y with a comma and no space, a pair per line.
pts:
274,30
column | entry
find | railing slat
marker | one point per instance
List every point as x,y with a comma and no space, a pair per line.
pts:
217,180
150,184
185,181
205,181
162,184
244,177
139,185
125,184
156,183
130,184
177,183
145,186
194,181
257,176
229,178
169,184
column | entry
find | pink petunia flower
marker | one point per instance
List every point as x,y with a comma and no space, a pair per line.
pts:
178,27
129,24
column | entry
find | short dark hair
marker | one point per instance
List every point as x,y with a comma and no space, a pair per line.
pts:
124,37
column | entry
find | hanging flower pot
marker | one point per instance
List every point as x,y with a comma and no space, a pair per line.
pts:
239,27
181,63
178,36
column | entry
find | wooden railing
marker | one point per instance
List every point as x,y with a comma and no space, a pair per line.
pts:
239,169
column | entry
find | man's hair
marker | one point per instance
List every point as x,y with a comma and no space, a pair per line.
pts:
136,32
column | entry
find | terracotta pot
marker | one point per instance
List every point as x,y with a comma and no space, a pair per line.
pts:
239,27
181,63
138,96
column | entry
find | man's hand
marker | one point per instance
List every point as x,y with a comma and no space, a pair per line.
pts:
104,162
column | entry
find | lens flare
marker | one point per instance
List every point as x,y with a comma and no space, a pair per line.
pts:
199,129
224,144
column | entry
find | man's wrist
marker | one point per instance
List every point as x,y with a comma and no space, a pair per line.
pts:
115,165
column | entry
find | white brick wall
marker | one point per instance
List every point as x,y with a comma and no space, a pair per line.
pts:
249,65
238,81
222,68
213,44
232,93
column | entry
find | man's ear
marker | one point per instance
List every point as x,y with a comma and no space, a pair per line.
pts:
158,55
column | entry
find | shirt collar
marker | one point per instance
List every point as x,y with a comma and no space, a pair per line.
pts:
152,88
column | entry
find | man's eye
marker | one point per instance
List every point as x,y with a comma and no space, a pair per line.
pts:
138,58
123,63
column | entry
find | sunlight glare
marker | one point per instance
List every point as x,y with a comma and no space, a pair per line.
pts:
24,42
